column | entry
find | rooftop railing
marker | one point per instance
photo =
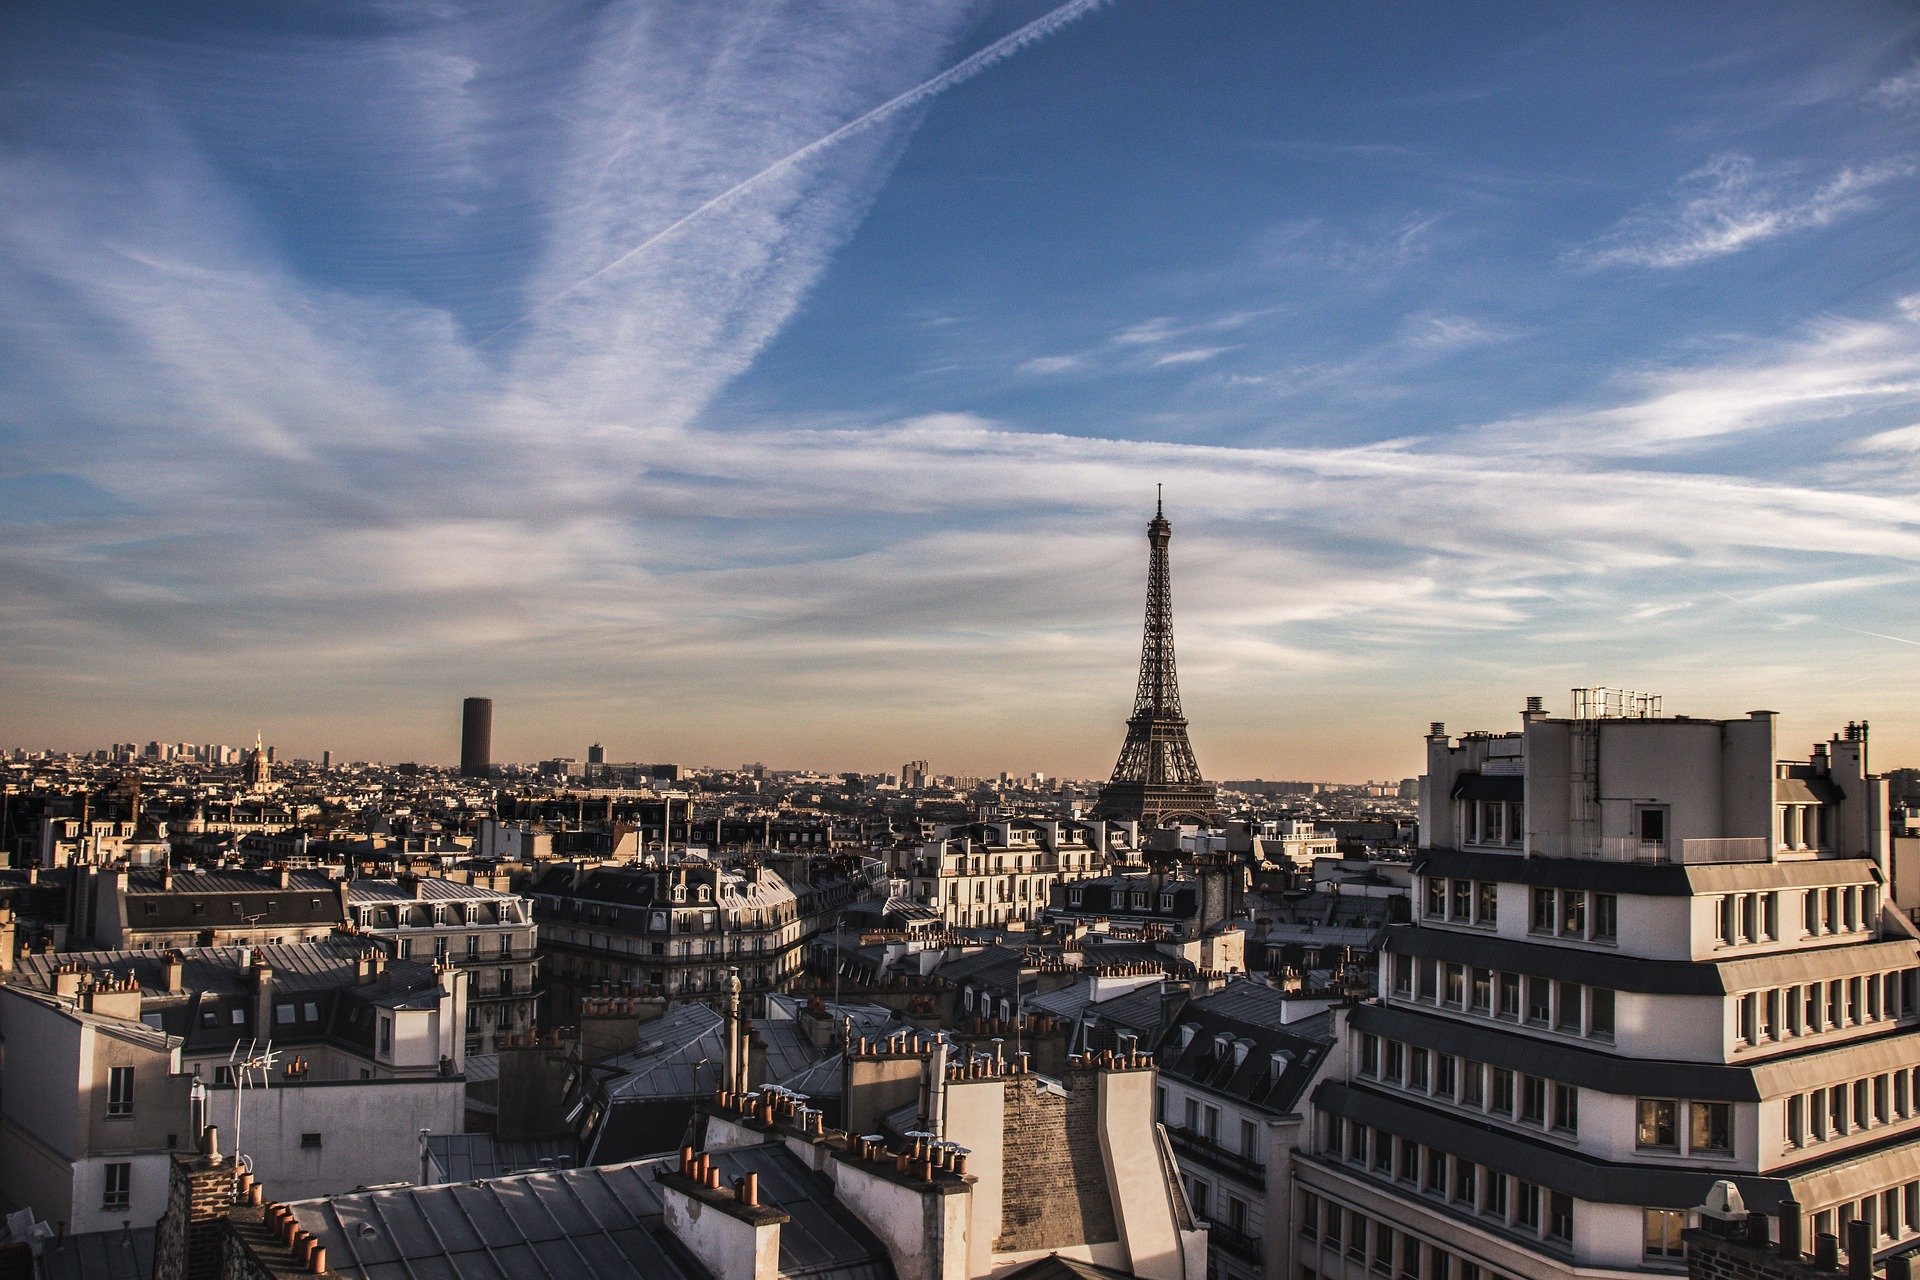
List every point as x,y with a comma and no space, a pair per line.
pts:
1689,853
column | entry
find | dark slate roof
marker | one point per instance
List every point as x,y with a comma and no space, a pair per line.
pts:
604,1223
99,1255
1657,977
1562,1168
1489,786
1500,1047
229,898
465,1157
214,1008
1251,1012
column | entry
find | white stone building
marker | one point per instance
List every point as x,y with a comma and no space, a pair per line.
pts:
1647,955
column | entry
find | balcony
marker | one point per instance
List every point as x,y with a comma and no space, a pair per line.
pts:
1687,853
1238,1243
1200,1150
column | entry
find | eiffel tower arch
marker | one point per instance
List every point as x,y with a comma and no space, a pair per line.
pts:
1156,780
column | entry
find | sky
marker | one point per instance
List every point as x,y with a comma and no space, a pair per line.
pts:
788,380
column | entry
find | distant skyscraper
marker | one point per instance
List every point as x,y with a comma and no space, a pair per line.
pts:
1156,780
596,754
476,737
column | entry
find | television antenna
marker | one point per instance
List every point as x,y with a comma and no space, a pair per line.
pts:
241,1064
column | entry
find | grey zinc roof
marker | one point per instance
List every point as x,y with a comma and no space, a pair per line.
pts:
296,966
99,1255
432,889
672,1047
465,1157
597,1223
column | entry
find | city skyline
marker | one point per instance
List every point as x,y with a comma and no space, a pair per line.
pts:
358,363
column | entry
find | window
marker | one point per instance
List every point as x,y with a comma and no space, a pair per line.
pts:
1462,899
1429,987
1310,1215
309,1142
1560,1217
1403,975
1566,1108
1483,991
1471,1083
1435,1178
1382,1248
1488,904
1539,1001
1600,1013
283,1014
1436,897
1567,1017
1510,995
1417,1069
1573,913
1395,1052
1443,1074
1542,919
1797,1120
117,1192
1502,1091
1712,1127
1724,932
386,1033
1526,1208
120,1091
1250,1139
1496,1194
1465,1177
1369,1055
1606,917
1656,1128
1456,985
1533,1100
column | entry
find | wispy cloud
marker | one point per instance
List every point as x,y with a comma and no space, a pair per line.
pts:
1189,355
1900,88
1453,333
1731,203
1044,366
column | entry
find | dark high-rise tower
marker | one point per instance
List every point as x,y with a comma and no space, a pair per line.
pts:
1156,780
476,737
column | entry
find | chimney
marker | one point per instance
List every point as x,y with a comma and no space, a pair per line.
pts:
172,966
715,1222
261,979
1438,729
282,875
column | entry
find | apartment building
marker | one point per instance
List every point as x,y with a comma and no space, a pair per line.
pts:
488,936
91,1105
161,907
673,923
113,1059
1648,954
991,873
1236,1067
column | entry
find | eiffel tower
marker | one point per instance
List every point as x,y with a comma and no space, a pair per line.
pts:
1156,781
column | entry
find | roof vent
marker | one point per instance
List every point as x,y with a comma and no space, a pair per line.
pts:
1724,1203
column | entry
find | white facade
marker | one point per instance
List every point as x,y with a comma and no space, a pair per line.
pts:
1647,955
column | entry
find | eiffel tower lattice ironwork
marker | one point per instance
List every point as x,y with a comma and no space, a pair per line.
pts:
1156,780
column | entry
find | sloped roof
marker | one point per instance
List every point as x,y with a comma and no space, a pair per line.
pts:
1249,1015
597,1223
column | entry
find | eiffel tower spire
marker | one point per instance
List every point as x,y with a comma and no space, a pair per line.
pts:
1156,780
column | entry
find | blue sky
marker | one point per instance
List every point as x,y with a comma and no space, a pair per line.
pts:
361,357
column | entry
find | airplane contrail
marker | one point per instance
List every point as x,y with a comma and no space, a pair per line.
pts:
960,72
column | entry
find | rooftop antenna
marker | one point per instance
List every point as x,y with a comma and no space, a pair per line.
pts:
1159,500
240,1069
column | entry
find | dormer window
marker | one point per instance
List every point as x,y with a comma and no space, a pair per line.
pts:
706,893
